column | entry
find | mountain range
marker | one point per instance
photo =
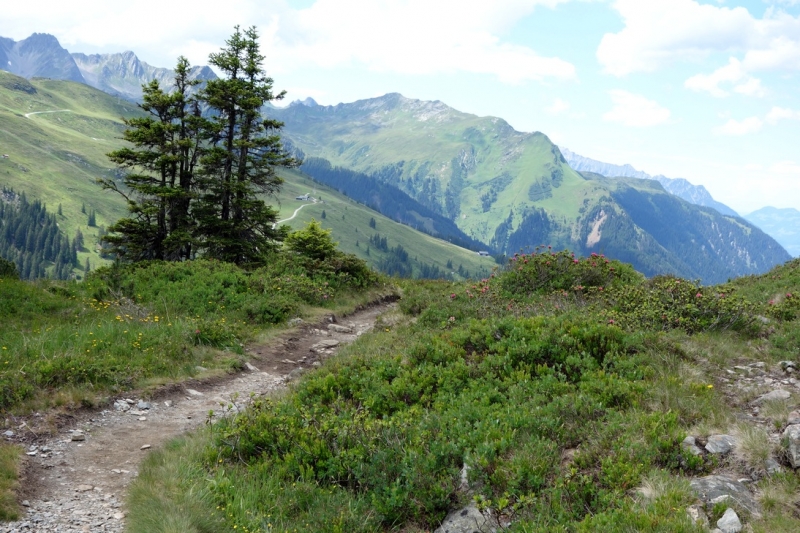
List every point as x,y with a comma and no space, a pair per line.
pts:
695,194
514,190
119,74
470,179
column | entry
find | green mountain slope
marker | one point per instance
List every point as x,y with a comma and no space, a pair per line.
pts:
57,134
350,225
514,190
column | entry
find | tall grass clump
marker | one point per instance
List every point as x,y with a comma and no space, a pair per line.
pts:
9,475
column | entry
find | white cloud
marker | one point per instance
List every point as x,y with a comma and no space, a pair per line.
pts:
558,107
736,128
754,124
416,37
778,113
732,73
658,32
635,110
399,36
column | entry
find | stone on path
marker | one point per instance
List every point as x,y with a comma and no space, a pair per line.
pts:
466,520
145,447
339,329
718,488
250,367
77,435
720,444
192,392
324,345
778,394
83,488
142,405
729,523
792,436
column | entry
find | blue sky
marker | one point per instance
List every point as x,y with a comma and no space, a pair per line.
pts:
704,90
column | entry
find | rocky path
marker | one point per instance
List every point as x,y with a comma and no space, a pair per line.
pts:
75,481
771,412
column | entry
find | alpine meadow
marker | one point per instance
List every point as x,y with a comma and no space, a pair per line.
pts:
226,313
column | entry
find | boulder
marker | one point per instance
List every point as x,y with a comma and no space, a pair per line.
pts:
791,436
466,520
697,515
729,523
720,444
689,444
719,488
772,396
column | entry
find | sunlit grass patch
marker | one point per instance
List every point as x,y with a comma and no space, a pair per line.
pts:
9,473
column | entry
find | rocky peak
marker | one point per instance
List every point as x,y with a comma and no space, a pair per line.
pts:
40,55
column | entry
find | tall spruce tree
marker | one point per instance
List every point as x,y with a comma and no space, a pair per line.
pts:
233,222
161,164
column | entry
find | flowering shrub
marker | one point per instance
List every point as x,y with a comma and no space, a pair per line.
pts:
544,272
784,307
667,302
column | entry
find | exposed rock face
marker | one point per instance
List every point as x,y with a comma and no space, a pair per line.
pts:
40,55
123,74
719,489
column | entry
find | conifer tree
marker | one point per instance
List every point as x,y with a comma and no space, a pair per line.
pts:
161,173
233,222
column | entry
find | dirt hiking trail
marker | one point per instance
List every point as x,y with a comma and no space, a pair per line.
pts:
75,481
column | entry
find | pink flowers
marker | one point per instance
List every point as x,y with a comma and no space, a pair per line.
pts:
453,296
698,295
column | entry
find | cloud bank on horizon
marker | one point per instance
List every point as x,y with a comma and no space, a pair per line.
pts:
705,90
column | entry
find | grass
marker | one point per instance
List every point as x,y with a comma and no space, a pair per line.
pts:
65,151
10,457
350,224
171,495
131,325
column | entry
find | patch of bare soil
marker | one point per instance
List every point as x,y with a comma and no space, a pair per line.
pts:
75,481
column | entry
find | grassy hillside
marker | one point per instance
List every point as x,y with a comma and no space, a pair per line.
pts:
350,224
57,154
514,190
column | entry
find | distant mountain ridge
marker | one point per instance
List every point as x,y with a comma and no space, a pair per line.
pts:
782,224
40,55
695,194
514,190
121,74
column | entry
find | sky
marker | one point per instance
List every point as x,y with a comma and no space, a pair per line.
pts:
707,90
